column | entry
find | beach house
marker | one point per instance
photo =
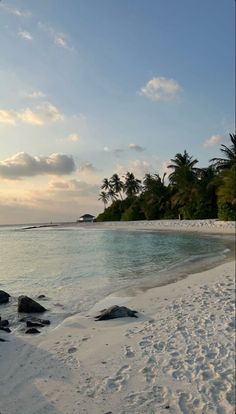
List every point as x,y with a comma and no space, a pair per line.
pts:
86,218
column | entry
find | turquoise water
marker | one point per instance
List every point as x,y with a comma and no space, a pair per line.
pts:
75,267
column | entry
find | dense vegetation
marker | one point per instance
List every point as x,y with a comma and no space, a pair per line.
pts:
191,192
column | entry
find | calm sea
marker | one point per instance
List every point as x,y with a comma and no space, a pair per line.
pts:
77,266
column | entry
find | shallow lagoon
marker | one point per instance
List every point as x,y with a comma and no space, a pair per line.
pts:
77,266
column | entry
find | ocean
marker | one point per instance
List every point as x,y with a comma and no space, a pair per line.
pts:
77,266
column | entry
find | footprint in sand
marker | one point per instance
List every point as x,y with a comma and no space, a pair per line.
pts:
72,350
119,380
129,352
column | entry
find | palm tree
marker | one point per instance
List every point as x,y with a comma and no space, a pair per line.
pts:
112,194
103,196
106,185
184,183
183,166
116,184
227,194
230,154
154,197
132,185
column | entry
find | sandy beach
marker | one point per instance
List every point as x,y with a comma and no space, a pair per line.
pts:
176,357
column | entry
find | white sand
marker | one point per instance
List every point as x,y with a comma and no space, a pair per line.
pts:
176,357
203,226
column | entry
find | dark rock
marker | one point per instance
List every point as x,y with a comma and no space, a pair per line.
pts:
32,331
3,328
4,297
34,319
3,340
28,305
30,324
4,322
41,297
116,312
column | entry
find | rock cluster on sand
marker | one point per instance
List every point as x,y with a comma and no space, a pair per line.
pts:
25,305
116,312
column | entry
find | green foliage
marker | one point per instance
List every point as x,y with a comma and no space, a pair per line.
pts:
229,153
227,195
134,212
226,211
191,193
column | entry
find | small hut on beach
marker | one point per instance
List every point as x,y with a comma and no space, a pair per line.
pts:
86,218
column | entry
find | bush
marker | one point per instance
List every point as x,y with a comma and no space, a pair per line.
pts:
226,211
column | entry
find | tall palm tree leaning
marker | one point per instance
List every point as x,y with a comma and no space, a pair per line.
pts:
117,185
104,197
132,185
230,154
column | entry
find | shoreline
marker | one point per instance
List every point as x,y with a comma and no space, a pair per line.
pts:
176,357
214,226
210,226
178,353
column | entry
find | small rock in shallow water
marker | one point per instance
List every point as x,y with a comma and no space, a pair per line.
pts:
32,331
30,324
4,322
35,319
28,305
116,312
3,328
4,297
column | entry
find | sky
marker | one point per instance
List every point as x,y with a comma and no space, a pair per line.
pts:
89,88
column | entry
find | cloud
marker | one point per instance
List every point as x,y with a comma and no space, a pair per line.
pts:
73,137
25,35
87,168
136,147
25,165
160,89
35,95
41,115
164,168
15,11
80,187
58,38
138,167
8,116
213,140
117,151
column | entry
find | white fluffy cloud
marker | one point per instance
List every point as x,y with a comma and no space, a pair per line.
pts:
40,115
25,165
213,140
138,167
25,35
87,168
160,89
